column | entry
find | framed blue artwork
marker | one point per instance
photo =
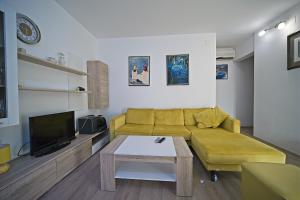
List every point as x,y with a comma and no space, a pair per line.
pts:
222,71
139,70
178,69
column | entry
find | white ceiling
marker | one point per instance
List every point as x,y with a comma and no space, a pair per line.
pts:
232,20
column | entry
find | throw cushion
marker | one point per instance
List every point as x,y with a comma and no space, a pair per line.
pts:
210,118
189,119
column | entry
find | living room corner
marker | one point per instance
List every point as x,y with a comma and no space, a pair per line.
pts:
149,99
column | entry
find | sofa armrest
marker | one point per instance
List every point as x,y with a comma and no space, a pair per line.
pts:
232,124
115,123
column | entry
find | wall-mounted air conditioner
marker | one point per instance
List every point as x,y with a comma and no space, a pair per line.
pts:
225,53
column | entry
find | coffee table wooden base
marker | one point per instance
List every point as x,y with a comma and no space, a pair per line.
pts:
184,168
107,164
183,165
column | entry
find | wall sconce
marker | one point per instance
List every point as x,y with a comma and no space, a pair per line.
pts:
281,25
261,33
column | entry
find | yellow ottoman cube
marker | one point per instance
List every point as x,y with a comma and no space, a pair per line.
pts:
270,181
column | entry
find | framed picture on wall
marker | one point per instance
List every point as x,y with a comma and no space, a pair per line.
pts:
139,70
178,69
293,51
222,71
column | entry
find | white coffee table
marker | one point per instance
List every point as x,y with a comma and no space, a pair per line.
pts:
140,158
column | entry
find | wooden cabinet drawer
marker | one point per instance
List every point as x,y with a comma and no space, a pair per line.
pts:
33,185
72,159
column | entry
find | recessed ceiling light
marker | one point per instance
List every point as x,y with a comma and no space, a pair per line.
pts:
281,25
261,33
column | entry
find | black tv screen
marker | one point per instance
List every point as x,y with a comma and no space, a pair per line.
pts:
50,131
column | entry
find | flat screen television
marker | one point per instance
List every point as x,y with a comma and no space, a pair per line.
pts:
49,133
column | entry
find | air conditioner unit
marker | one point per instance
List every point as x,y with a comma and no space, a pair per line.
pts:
225,53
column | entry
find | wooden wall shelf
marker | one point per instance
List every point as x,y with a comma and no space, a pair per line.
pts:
51,90
45,63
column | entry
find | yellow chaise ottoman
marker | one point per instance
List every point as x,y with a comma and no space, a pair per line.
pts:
270,181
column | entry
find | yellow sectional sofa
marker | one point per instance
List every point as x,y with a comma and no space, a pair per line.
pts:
150,122
270,181
222,150
219,149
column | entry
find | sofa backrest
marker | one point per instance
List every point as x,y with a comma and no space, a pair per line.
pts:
189,119
140,116
162,116
169,117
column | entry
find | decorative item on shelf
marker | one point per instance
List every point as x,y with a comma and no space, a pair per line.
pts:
4,158
178,69
139,70
51,59
293,51
222,72
22,50
27,31
61,59
80,89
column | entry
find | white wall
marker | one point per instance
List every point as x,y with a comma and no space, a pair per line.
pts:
245,49
200,93
60,33
226,89
245,91
235,95
277,93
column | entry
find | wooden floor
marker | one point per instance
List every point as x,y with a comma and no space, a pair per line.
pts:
84,183
247,130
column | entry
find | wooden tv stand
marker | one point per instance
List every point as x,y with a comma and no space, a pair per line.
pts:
30,177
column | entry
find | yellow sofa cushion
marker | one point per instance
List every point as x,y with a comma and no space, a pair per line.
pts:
134,129
270,181
140,116
231,124
189,119
115,123
169,117
192,128
168,130
210,118
220,146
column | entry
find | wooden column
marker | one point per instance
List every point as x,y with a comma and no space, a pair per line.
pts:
97,84
107,164
184,168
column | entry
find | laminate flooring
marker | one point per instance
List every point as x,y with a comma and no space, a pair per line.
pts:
84,183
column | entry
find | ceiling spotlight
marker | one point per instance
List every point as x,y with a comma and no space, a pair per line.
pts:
261,33
281,25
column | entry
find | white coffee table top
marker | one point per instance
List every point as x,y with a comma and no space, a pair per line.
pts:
145,146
